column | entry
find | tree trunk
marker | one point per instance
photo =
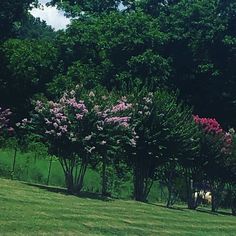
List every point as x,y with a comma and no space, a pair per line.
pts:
69,182
139,183
216,189
14,163
168,204
104,178
190,191
213,202
80,178
233,199
142,182
233,208
49,170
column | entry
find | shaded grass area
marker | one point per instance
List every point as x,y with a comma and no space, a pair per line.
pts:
41,210
35,170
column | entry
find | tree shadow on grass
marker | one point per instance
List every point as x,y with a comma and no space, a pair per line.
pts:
202,210
95,196
219,212
164,206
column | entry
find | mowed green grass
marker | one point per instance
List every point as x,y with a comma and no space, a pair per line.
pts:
35,210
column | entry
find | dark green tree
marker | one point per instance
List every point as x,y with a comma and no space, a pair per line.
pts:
11,14
115,50
202,46
26,67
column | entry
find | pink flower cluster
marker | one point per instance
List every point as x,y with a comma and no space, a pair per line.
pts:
121,106
59,117
69,100
56,122
209,125
114,115
24,123
118,110
4,120
121,121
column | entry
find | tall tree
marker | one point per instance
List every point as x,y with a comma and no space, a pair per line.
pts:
115,50
26,67
11,13
202,45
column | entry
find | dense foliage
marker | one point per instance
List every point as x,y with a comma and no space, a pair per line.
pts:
116,92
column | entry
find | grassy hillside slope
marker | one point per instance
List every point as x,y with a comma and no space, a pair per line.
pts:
41,210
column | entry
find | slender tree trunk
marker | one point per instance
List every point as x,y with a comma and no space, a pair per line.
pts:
233,207
142,182
216,189
232,191
104,177
139,183
169,196
80,178
14,163
213,202
69,182
190,191
49,170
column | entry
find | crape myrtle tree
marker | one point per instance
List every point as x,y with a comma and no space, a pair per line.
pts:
5,124
110,132
181,142
231,174
79,130
61,125
6,129
216,147
163,133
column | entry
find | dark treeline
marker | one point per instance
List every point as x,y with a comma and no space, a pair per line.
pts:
182,53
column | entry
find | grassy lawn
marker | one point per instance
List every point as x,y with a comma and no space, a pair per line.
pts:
29,169
40,210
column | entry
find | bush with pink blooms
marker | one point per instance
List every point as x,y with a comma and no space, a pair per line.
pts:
79,127
5,127
216,147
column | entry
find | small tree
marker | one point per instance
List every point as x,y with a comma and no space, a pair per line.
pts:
5,128
109,133
215,148
231,173
164,133
78,131
61,125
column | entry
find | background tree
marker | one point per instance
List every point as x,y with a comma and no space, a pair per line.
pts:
202,46
11,14
117,51
26,66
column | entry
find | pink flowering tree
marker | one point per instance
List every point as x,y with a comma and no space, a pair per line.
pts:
111,130
62,125
231,177
216,147
82,128
5,128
